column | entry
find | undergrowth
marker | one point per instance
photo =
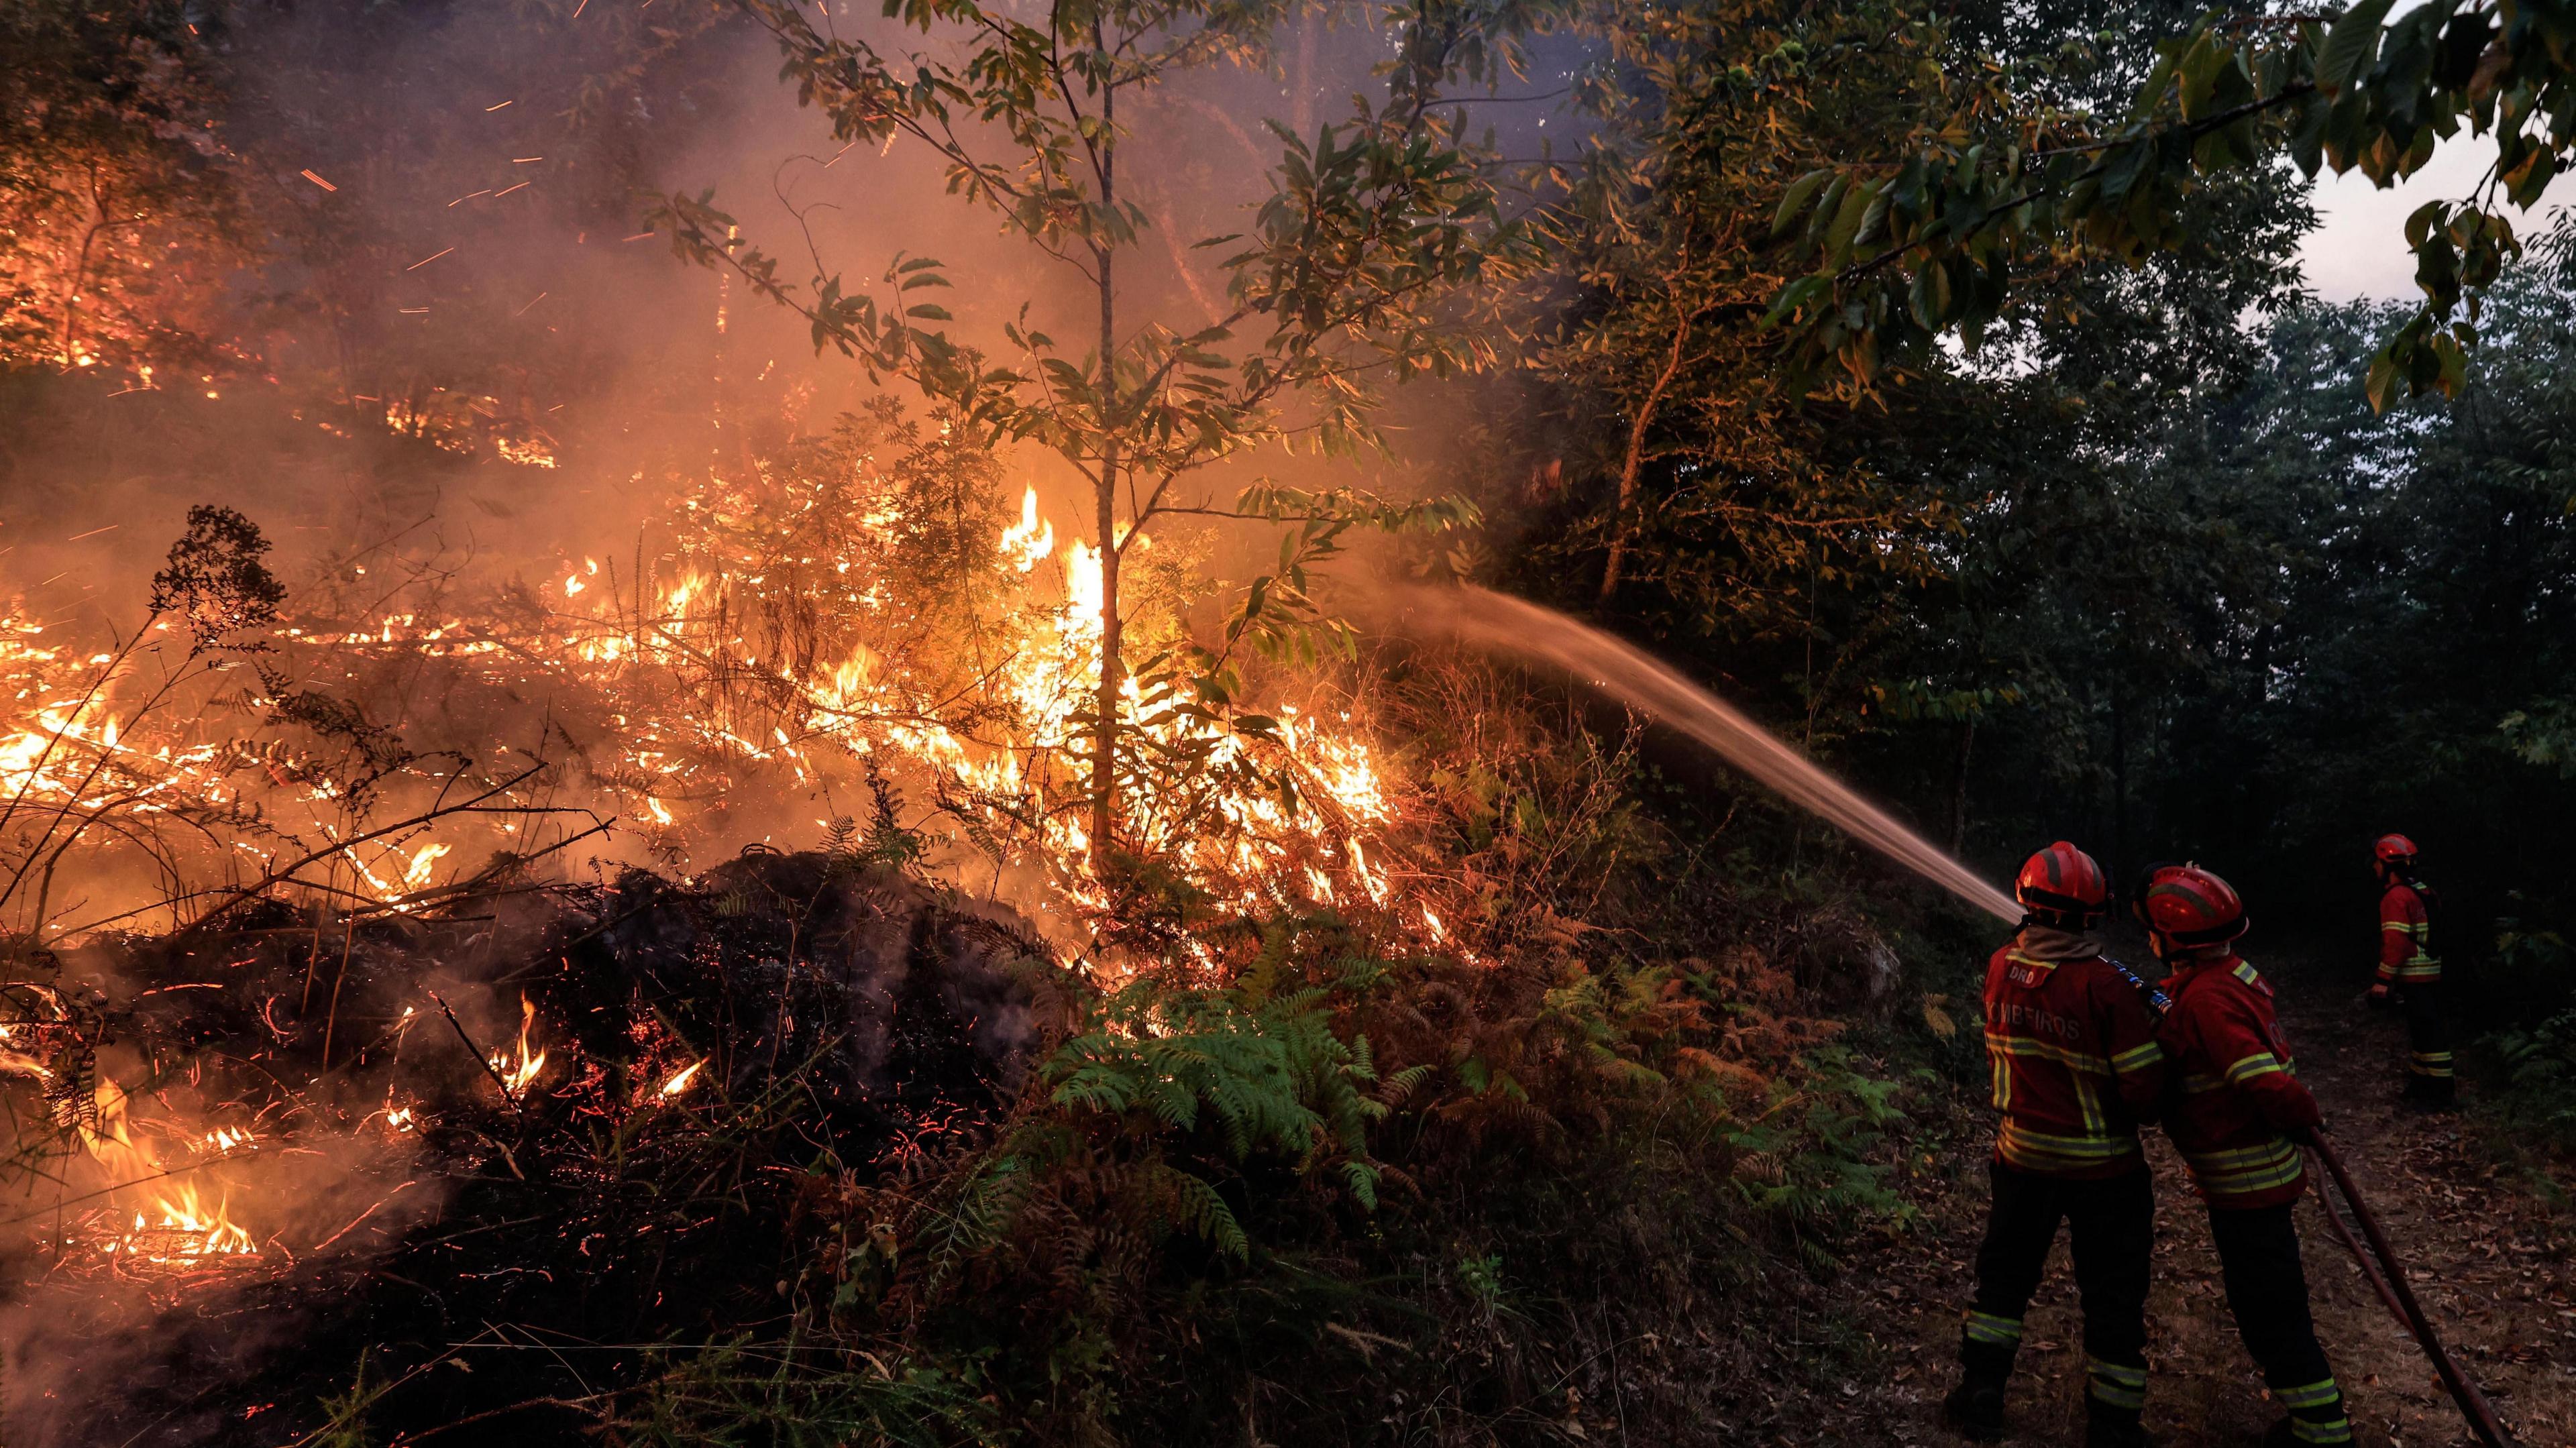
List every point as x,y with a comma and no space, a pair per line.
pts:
1595,1166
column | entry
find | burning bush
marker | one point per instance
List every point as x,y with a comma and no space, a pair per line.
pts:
285,1124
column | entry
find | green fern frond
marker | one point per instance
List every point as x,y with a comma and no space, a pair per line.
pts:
1198,1207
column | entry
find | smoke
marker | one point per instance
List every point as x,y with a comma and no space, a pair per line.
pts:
1512,626
456,382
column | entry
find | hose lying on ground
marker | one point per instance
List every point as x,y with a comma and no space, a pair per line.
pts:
2387,1275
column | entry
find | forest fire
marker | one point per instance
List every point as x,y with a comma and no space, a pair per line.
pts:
1172,722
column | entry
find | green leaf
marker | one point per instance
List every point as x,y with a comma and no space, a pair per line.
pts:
2350,45
1801,191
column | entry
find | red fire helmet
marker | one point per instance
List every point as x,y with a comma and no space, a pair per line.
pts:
2191,907
2062,882
2393,848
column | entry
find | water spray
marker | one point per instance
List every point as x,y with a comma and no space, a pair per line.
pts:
1495,621
1510,625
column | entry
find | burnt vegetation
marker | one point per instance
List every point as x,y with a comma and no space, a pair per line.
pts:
620,882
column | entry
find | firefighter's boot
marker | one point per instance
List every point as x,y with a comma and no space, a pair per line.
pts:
1976,1406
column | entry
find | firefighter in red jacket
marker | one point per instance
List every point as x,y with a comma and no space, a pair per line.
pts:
2410,974
2238,1118
2076,1066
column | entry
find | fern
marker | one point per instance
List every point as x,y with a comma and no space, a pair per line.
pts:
1244,1073
1196,1206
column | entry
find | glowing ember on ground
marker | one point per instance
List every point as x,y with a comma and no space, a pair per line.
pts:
680,1080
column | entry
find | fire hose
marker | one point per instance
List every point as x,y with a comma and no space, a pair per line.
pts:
2389,1277
2379,1263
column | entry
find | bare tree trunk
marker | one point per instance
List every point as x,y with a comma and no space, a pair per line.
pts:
2119,783
1301,104
1959,787
1104,745
1634,460
98,222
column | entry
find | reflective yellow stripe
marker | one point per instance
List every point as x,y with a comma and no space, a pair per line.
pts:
2037,1049
2116,1384
2245,973
2091,1105
2319,1394
2261,1063
2039,1151
2195,1084
2137,1057
2244,1171
2422,965
1986,1327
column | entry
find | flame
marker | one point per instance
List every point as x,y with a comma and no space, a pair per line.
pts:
1026,543
774,642
111,1141
423,860
201,1233
517,1076
680,1080
526,452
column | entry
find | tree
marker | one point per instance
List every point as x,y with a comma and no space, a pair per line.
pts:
1907,250
113,176
1370,226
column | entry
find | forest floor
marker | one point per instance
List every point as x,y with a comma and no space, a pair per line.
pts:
2492,1263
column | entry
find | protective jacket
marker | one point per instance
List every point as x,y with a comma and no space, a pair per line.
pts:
2074,1054
2239,1092
2406,938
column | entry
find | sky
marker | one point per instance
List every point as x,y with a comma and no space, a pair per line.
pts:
2359,246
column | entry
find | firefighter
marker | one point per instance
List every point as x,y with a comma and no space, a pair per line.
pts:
2410,974
2238,1118
2076,1067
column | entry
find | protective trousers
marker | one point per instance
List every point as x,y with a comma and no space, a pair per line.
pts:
2428,1041
2111,1224
2267,1289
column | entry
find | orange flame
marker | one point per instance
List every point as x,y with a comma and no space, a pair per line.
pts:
517,1076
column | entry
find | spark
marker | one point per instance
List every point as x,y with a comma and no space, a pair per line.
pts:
318,181
424,261
679,1082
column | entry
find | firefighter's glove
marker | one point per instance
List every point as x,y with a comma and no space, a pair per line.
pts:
2378,997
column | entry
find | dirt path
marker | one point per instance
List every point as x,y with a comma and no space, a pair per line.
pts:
2496,1273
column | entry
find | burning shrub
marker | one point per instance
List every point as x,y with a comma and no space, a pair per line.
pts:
600,1088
